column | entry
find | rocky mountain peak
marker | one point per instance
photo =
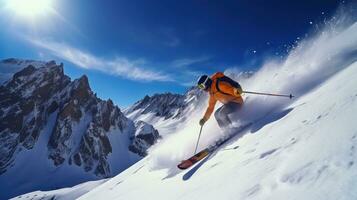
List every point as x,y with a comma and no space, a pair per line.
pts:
145,136
30,69
41,100
81,92
162,105
83,83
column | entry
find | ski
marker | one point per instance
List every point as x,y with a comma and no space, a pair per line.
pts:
194,159
185,164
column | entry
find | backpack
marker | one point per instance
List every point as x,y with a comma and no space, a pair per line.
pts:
228,80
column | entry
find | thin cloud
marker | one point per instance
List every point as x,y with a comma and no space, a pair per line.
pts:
118,66
185,62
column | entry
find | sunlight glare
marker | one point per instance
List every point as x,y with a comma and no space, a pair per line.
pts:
30,8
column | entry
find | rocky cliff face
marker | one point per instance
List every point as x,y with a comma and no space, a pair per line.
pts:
165,105
145,136
26,101
40,100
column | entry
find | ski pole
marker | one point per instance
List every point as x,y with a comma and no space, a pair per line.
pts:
270,94
198,139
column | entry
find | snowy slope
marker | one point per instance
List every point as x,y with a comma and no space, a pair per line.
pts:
64,193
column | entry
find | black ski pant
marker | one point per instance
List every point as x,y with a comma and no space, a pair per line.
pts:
222,113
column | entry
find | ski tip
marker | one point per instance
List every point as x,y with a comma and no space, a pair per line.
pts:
182,168
185,164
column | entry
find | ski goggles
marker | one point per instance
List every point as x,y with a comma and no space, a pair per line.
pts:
203,84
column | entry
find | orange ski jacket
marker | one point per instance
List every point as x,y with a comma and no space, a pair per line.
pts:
225,93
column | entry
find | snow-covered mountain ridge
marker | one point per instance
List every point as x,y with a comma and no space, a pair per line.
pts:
167,111
53,127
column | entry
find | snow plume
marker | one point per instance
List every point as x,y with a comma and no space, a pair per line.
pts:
308,65
174,147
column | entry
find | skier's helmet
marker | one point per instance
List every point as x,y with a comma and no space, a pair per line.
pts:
204,82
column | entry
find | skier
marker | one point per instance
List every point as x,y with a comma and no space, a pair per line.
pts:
227,91
224,89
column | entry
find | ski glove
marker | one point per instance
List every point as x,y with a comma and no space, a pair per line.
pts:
238,91
202,121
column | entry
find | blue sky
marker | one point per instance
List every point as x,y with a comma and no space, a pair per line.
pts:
131,48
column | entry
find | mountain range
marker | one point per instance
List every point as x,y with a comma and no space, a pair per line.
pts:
53,127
